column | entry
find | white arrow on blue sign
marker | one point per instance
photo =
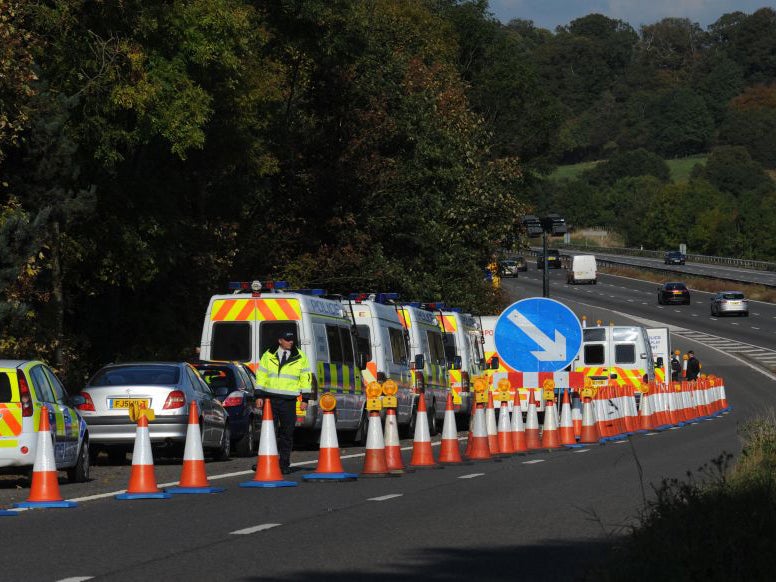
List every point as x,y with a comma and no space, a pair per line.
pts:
538,335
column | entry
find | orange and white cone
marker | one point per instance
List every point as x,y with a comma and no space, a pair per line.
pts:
566,428
329,462
491,425
44,490
480,450
506,445
532,423
518,428
392,444
576,413
268,473
193,474
590,434
646,416
142,481
550,433
422,455
450,450
375,463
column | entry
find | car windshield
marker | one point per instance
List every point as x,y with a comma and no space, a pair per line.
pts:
218,376
675,286
508,263
733,296
141,375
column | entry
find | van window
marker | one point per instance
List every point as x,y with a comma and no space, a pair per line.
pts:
626,334
624,353
363,341
5,387
56,385
594,334
41,384
269,332
594,354
321,343
346,339
476,350
436,347
450,346
335,345
231,341
398,346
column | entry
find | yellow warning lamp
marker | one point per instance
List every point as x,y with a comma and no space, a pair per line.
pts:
504,387
589,391
549,389
390,389
373,392
480,391
645,389
327,402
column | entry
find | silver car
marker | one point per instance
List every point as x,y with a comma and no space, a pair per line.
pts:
729,302
165,387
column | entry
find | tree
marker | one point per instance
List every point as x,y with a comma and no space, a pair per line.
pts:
628,164
680,123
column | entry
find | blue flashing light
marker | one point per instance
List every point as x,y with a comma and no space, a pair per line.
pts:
455,309
281,284
414,303
234,285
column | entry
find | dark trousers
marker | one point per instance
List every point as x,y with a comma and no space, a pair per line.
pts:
284,412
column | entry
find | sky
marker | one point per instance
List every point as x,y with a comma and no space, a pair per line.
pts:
551,13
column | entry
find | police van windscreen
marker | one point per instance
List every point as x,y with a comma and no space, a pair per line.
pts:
450,346
363,341
436,347
5,387
398,346
137,375
231,341
270,331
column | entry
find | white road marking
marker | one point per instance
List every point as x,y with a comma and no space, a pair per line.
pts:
534,461
254,529
582,451
76,579
385,497
472,476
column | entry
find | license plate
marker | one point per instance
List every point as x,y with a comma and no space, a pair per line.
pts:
600,382
128,402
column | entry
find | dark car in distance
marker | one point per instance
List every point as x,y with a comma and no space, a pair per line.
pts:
553,259
674,258
673,292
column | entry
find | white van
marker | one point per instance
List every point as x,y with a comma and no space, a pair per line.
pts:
428,362
381,337
582,269
243,325
464,354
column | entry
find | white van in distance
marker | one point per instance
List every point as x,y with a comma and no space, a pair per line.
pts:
582,269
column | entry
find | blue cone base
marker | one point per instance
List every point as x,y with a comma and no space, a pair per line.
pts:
126,496
330,477
6,513
193,490
33,504
269,484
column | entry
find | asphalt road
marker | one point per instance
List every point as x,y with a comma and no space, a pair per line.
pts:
543,516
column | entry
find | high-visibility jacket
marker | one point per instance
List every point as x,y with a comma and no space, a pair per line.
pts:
292,379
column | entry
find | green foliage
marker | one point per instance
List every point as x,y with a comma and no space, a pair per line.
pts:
627,164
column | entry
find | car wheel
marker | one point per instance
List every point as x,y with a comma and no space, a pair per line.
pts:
80,472
359,436
433,427
745,313
246,446
225,448
659,300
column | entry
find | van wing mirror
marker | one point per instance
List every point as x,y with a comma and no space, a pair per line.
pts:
659,362
420,362
495,363
457,363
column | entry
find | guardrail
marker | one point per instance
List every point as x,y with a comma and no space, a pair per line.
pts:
707,259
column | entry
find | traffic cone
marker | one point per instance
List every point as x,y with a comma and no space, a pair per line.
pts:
142,481
646,416
329,463
550,433
375,463
532,424
590,434
193,475
576,413
479,451
392,444
491,425
268,473
518,428
44,489
567,436
506,445
422,455
631,412
450,451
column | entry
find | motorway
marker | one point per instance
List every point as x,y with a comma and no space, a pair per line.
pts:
542,516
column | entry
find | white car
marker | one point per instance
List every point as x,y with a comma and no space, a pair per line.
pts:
26,386
729,302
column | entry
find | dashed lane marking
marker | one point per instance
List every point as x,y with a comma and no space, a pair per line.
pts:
533,462
254,529
471,476
385,497
76,579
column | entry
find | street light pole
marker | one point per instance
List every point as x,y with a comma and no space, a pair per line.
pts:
546,274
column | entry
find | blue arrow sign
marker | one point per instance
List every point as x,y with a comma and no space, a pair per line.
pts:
538,335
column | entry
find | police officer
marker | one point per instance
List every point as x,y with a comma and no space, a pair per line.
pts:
676,367
693,367
283,374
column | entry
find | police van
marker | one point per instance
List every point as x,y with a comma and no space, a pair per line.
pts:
427,361
243,325
463,351
383,339
619,353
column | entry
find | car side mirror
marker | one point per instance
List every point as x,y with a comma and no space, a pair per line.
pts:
457,363
420,362
495,363
659,362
